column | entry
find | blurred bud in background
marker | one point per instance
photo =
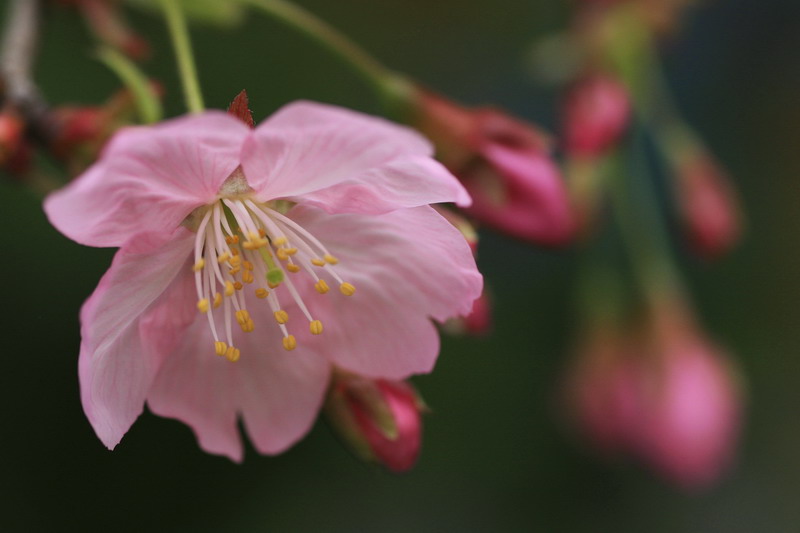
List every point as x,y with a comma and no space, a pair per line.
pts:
82,131
379,419
708,204
662,393
106,21
504,163
596,113
15,150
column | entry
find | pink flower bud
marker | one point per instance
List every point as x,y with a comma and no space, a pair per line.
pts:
505,165
709,206
379,419
596,114
12,130
664,395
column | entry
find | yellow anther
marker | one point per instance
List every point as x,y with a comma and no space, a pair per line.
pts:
232,354
220,348
235,261
280,241
247,265
321,286
272,285
262,293
330,259
317,262
347,289
197,267
281,253
242,316
291,251
223,257
262,232
247,276
291,267
248,326
235,251
234,271
252,236
289,342
315,327
229,288
202,305
249,245
232,239
217,299
237,285
281,316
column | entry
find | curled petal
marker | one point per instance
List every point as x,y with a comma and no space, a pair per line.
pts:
408,266
148,179
115,366
343,161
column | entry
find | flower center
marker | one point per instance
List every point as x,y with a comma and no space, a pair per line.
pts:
242,245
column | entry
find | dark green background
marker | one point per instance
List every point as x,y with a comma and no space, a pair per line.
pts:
496,456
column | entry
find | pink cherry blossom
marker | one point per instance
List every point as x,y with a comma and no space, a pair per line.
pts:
252,261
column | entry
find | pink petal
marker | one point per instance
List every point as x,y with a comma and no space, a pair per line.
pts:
343,161
407,266
148,179
115,367
278,393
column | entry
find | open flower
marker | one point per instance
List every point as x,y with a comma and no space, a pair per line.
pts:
304,243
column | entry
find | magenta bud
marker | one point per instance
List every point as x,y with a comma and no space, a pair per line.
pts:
596,113
379,419
505,165
709,206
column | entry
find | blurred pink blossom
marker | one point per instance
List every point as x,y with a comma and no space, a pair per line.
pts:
596,113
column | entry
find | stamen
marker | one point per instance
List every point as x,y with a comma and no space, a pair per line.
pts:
321,286
198,266
315,327
291,267
232,354
247,276
317,262
220,348
238,285
217,299
223,257
236,261
347,289
262,293
202,305
289,343
281,316
229,288
331,259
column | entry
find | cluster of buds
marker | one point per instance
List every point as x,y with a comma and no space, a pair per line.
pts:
659,391
380,420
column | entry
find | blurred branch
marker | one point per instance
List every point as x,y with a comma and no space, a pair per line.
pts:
19,92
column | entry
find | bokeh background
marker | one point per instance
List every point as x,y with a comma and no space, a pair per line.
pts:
496,455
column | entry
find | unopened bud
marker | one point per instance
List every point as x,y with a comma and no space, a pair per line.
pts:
596,113
379,419
708,204
505,165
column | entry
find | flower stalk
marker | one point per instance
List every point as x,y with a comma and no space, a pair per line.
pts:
183,55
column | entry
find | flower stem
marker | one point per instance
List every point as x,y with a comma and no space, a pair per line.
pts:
644,235
391,87
147,103
183,54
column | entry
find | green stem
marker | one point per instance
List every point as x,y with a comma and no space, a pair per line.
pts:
644,235
391,87
147,102
183,55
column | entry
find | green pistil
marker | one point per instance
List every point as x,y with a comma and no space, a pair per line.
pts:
274,272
